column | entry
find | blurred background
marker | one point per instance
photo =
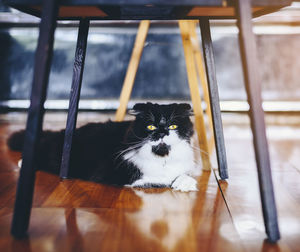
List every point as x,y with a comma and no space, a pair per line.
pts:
162,73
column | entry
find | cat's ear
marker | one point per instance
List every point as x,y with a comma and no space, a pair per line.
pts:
185,109
139,109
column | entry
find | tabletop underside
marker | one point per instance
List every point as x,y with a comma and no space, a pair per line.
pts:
147,9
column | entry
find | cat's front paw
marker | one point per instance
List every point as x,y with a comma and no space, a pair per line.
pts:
185,183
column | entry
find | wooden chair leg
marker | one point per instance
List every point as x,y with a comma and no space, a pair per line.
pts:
203,80
214,96
195,93
42,65
74,95
252,83
132,69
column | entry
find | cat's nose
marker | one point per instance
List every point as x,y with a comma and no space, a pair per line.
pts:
164,133
161,135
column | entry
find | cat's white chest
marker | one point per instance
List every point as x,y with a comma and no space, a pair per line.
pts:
163,170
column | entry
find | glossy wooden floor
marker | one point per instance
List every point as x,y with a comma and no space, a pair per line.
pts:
73,215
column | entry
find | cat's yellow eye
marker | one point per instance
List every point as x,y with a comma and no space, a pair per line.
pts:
151,127
172,127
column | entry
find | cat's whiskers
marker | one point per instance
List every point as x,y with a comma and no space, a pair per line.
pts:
199,149
130,143
140,138
132,147
124,152
197,162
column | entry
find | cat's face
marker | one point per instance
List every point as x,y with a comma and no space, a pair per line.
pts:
162,125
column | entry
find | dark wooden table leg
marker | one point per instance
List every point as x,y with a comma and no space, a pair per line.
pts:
250,67
214,96
74,95
42,66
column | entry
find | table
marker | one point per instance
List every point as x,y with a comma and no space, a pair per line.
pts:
85,10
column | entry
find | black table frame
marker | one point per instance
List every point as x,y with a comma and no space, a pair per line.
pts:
43,57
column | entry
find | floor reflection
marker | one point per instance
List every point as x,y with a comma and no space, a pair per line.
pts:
74,236
270,247
164,217
141,220
21,245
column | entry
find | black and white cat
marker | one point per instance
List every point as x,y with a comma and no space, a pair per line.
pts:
154,150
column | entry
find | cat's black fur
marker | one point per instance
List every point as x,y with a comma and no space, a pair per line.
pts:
98,148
